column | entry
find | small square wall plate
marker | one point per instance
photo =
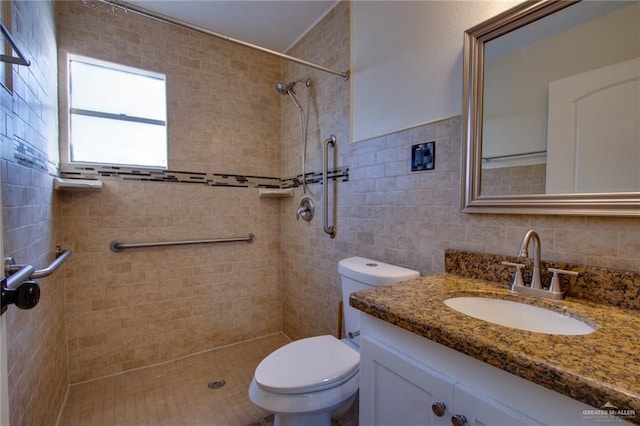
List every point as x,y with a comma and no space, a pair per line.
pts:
423,156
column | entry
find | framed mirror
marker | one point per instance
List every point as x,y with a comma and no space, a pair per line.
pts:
551,117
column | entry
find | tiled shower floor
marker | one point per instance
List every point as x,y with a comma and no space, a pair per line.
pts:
176,392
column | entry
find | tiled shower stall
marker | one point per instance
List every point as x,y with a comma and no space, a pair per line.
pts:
141,307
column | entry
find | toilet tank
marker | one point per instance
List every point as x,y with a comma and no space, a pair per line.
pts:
359,273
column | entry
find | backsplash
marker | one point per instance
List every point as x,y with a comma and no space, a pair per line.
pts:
599,285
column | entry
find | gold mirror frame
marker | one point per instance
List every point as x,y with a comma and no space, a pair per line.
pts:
589,204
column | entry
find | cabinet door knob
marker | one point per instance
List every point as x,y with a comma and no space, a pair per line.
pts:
438,408
458,420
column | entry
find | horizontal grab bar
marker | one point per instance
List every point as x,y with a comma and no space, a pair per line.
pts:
117,246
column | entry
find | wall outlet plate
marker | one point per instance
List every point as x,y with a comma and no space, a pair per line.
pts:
423,156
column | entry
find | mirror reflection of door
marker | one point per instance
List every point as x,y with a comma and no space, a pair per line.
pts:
594,131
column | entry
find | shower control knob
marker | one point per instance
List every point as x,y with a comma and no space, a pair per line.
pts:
25,296
458,420
438,408
306,209
303,213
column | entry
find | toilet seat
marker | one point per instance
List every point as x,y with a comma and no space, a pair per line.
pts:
307,365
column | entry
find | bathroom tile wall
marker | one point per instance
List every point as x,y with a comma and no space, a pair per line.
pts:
140,307
391,214
309,259
326,100
37,356
222,112
514,180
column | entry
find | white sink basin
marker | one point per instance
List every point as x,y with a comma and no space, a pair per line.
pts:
518,315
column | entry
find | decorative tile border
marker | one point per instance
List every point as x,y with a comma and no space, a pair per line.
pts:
29,156
341,174
209,179
599,285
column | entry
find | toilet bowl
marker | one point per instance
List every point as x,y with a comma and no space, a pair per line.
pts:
305,381
310,381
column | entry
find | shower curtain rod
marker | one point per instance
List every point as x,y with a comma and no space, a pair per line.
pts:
167,19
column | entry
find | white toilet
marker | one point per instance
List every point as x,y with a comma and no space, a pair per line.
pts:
309,381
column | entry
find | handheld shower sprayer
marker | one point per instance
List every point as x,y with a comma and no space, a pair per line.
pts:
288,89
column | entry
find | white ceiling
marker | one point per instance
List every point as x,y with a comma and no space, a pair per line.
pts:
273,24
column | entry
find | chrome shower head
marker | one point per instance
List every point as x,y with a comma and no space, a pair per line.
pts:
287,89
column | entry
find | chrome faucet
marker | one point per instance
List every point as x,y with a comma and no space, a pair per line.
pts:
536,282
535,289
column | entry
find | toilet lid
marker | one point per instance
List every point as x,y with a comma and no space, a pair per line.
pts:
307,365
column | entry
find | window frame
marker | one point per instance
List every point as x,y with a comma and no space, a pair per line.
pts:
113,116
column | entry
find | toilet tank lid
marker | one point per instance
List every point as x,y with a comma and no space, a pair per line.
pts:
373,272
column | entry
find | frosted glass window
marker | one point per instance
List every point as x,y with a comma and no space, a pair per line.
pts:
117,114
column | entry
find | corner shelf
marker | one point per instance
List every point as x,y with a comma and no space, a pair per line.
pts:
64,184
276,192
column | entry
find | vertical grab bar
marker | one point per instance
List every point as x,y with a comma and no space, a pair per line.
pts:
330,141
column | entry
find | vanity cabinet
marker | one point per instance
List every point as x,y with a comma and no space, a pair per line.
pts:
396,390
400,391
402,375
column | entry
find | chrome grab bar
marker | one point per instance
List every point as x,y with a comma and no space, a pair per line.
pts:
22,273
16,274
18,288
117,246
330,141
61,256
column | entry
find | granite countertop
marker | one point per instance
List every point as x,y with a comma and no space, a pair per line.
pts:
596,368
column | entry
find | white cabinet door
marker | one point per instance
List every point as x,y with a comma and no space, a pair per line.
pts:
480,410
395,390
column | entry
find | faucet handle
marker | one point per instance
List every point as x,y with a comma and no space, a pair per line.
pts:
518,281
555,286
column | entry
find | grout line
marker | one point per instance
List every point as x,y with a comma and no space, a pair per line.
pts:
178,359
